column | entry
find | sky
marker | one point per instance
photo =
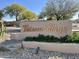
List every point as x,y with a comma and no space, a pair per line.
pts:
35,6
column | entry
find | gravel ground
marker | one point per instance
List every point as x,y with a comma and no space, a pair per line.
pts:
31,54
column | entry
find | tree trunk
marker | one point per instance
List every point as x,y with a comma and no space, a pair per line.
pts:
16,18
57,16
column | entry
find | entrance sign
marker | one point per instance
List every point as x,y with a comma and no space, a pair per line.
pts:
56,28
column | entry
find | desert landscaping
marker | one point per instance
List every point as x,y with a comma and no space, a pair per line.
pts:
49,30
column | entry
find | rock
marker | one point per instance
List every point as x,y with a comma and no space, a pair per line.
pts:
4,49
55,57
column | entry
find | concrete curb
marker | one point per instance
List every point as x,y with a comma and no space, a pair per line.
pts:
61,47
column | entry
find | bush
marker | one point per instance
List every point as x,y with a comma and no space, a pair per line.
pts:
74,38
42,38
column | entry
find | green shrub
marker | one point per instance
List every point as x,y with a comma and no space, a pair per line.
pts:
42,38
74,38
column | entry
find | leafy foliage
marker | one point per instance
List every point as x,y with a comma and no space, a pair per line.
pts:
60,9
1,14
42,38
27,15
2,27
74,38
19,12
14,10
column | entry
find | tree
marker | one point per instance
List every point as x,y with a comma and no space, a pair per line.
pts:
1,14
28,15
60,9
2,27
14,10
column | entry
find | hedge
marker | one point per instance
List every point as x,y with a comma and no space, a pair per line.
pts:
74,38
